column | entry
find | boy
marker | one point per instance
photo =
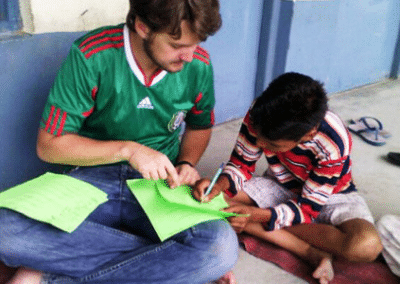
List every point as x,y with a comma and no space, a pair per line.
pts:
306,201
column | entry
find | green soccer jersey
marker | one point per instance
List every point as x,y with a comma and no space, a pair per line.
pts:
101,93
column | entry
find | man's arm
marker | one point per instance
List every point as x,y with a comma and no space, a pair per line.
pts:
194,143
73,149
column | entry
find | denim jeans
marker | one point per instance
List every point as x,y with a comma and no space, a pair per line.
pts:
116,243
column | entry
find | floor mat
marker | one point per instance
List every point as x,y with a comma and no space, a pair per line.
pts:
346,272
5,273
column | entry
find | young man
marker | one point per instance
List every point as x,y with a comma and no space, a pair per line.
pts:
115,113
306,202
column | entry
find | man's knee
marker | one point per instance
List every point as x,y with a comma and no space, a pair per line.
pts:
223,245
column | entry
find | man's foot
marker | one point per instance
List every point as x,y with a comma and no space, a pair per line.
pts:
228,278
26,276
323,263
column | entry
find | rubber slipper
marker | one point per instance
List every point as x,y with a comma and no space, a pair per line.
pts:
372,122
394,158
368,134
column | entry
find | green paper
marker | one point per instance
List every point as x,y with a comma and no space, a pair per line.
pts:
171,211
59,200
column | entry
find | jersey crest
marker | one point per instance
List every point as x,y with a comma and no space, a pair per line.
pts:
176,120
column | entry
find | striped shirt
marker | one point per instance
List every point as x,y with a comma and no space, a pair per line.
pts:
313,170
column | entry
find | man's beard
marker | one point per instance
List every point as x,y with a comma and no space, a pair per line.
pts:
149,52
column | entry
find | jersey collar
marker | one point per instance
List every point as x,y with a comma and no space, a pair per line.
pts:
136,69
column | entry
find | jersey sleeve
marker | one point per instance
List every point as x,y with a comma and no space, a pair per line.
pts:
242,163
201,115
71,98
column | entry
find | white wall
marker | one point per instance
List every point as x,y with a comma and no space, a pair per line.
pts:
46,16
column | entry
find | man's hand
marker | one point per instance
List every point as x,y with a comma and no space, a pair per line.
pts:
153,165
187,175
239,222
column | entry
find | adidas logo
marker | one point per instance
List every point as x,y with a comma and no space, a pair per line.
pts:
145,103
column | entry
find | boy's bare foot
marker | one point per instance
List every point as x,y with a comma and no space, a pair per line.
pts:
26,276
323,263
228,278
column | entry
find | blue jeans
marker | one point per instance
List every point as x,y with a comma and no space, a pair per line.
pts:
116,243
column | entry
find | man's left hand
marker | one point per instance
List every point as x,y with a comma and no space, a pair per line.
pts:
187,175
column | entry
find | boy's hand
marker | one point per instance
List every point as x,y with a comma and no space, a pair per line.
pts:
239,222
201,187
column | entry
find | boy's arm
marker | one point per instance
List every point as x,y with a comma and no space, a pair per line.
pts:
325,179
242,163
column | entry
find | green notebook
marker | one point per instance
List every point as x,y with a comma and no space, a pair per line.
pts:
173,210
57,199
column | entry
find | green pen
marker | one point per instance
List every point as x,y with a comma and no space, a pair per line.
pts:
214,180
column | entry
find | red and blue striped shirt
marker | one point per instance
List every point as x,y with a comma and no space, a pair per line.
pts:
314,170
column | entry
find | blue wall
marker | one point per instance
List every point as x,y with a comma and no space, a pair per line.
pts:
28,67
343,43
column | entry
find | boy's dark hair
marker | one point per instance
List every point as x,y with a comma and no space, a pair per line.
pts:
167,15
289,108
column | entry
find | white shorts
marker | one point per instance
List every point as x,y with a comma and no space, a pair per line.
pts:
267,192
389,230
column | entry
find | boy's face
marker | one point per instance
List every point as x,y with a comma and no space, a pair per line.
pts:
282,145
277,145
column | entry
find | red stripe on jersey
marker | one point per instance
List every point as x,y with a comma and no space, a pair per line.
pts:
148,83
50,117
194,109
54,125
62,123
107,32
202,52
111,39
212,117
94,92
103,47
197,56
88,113
199,97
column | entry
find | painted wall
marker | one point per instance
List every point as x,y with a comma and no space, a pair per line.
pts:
47,16
344,43
28,67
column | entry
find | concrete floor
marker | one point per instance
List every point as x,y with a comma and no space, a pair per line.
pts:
377,180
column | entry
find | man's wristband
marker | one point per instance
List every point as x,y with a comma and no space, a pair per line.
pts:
184,163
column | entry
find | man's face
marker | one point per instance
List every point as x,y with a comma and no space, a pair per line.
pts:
171,54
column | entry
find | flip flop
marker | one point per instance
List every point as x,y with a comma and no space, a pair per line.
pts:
372,122
394,158
370,134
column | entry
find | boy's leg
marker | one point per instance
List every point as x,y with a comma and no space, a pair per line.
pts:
265,192
344,228
321,261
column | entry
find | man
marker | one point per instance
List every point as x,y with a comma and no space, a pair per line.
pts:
115,113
